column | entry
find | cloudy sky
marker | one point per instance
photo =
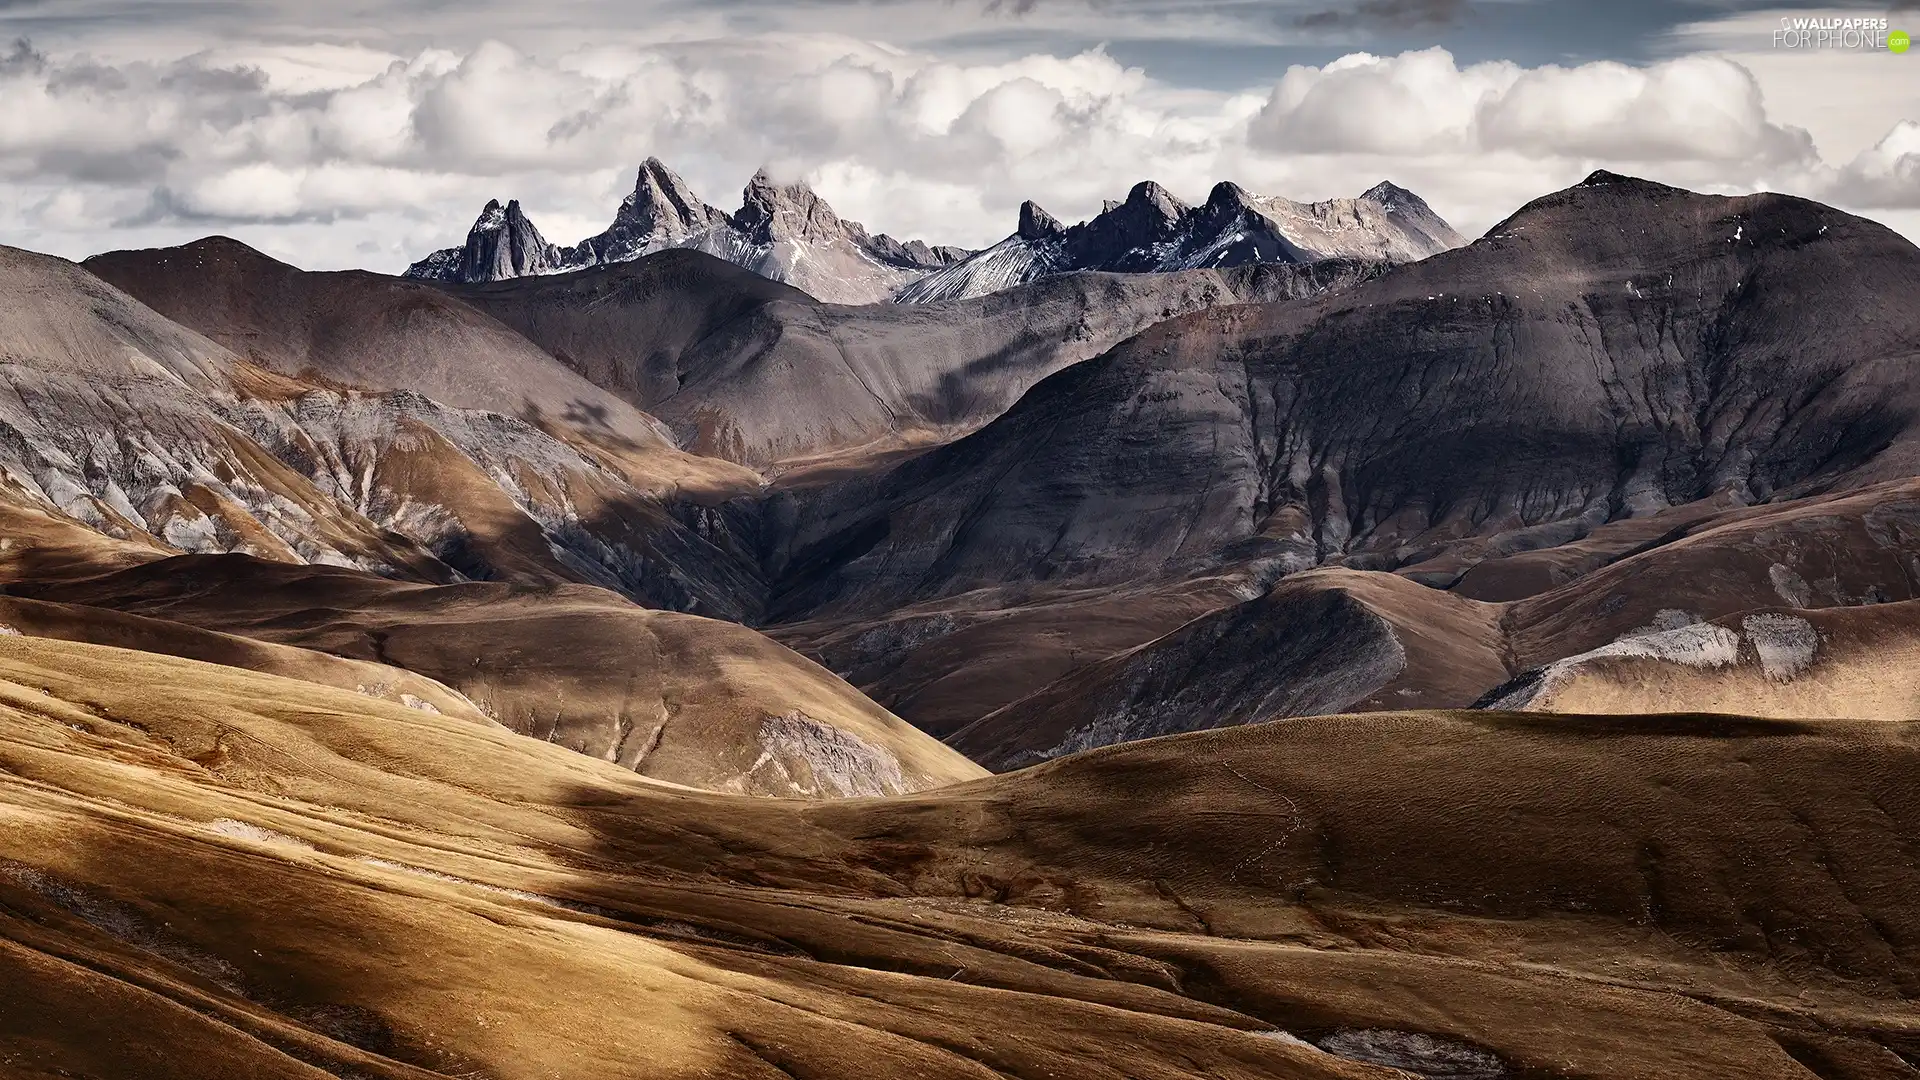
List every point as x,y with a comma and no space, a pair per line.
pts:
357,133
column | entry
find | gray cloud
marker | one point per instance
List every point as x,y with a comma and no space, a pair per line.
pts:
329,152
1885,176
22,58
1395,15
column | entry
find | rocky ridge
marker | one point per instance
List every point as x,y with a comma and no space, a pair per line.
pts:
1154,232
784,232
787,233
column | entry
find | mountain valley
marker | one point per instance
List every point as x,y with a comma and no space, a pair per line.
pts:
1254,639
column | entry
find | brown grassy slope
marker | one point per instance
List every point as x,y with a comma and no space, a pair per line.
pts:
268,876
947,663
1337,640
1861,662
1323,641
253,872
676,697
95,626
37,541
1844,550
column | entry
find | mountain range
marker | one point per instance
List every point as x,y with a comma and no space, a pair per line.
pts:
787,233
783,232
1247,640
1153,232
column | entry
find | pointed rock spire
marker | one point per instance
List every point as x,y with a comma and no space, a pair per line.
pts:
664,206
662,211
503,243
782,231
1037,224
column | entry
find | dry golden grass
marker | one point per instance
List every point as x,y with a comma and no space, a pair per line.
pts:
209,872
680,698
1859,663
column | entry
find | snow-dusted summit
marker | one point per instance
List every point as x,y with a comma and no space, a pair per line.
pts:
782,231
1152,231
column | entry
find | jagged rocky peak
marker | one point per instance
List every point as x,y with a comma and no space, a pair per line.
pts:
503,243
772,211
1148,217
1154,232
664,206
781,231
1227,196
1228,207
1392,196
1150,198
1037,224
915,254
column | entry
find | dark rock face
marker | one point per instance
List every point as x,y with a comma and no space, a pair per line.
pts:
503,243
1037,224
1610,350
1124,237
1154,232
762,374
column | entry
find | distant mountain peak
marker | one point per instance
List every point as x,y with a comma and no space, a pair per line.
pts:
1151,197
1152,231
771,211
1392,197
785,231
1603,177
504,243
1600,178
782,231
664,203
1227,195
1037,224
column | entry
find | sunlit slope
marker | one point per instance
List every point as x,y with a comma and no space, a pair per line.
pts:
210,872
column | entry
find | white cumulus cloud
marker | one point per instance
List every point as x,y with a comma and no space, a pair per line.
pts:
1691,109
339,156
